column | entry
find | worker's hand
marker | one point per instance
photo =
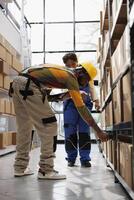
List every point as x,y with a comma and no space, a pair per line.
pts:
103,136
97,104
83,94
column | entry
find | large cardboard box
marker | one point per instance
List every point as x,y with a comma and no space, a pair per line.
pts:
3,140
14,138
122,160
4,67
127,108
16,64
117,104
7,82
9,138
1,80
2,53
9,58
121,56
126,162
2,106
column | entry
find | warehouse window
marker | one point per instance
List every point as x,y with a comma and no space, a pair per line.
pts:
37,37
36,13
58,10
88,10
86,36
59,37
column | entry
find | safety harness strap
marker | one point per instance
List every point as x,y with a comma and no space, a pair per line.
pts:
27,92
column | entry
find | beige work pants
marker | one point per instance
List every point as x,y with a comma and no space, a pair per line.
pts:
29,113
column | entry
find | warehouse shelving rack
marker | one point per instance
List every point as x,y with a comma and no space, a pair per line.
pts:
10,118
124,131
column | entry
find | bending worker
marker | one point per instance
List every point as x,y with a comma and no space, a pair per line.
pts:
77,131
32,108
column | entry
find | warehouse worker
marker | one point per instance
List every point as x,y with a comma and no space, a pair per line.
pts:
32,108
77,131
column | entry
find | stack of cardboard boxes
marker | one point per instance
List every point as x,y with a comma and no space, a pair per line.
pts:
115,80
9,65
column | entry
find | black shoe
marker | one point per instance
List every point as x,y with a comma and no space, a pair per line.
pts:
71,164
86,164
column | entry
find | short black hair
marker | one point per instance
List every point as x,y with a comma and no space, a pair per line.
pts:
69,56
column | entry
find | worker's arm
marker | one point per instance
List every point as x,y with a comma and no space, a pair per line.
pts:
74,92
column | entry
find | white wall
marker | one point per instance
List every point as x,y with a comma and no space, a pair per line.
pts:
10,33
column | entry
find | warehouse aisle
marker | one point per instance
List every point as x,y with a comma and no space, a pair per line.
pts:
96,183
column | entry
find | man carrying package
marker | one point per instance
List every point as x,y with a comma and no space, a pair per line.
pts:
32,108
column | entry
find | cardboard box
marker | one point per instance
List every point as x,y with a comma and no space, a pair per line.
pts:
126,162
4,67
9,58
3,140
14,138
2,53
2,106
127,108
1,80
122,160
117,104
121,56
109,115
6,82
9,138
7,107
16,64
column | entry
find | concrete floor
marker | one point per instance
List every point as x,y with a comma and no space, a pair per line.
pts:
96,183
